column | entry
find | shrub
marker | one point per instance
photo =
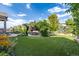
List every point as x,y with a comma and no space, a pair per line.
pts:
4,41
44,31
3,37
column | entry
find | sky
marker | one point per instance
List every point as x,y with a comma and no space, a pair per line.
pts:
19,13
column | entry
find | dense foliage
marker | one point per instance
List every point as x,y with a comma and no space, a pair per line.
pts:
71,26
74,9
53,21
43,27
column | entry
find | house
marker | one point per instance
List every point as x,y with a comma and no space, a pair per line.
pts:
1,31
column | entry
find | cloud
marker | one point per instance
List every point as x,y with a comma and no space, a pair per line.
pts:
21,15
28,6
40,18
1,24
63,15
14,22
62,20
31,20
56,9
7,4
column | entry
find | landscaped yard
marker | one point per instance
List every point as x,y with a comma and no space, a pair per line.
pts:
45,46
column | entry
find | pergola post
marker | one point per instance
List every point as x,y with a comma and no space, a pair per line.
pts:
5,24
3,17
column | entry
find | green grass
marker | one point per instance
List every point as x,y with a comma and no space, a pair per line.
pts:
46,46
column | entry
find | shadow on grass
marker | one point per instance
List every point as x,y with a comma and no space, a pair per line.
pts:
46,46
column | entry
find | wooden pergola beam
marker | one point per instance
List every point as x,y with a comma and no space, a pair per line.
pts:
3,18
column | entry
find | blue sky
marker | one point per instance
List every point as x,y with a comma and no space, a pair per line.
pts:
19,13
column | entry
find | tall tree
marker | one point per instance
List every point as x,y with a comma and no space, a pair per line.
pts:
42,24
43,27
53,21
71,25
74,9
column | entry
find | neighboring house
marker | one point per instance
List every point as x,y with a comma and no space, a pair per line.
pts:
63,24
62,27
1,30
33,31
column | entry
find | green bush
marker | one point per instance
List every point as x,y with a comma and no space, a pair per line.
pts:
44,31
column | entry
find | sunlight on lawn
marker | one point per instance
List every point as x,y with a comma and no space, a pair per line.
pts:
46,46
69,36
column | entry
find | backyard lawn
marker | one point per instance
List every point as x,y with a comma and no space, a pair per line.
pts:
45,46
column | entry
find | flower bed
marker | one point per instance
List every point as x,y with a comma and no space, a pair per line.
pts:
6,45
4,41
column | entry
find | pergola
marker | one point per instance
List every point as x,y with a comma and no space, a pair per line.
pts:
3,17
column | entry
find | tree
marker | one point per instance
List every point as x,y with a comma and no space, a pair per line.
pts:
71,25
74,9
53,21
33,25
70,22
43,27
26,29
